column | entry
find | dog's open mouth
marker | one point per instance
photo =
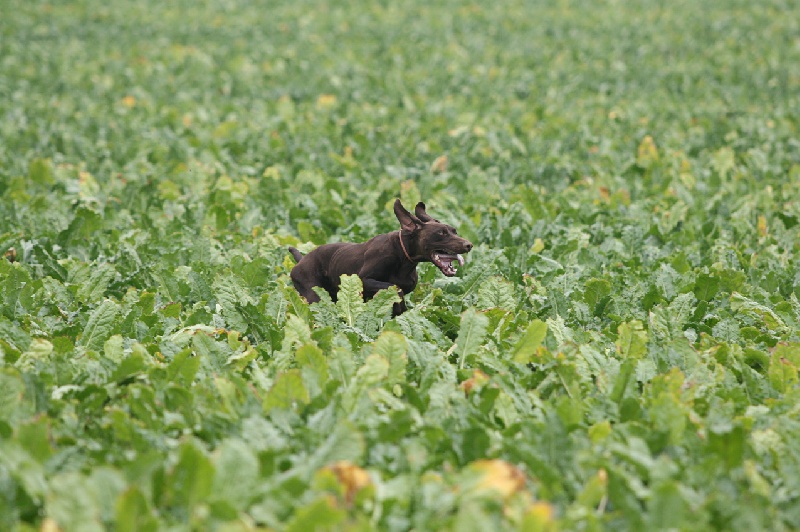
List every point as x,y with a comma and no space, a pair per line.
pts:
444,261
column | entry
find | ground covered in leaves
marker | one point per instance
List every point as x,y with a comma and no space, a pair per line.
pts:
620,351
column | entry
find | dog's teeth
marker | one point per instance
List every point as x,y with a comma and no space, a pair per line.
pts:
460,259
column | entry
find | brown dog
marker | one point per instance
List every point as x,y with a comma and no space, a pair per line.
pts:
386,260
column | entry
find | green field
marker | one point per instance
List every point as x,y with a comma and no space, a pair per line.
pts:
620,351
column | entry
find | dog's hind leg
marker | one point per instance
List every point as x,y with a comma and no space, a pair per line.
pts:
304,286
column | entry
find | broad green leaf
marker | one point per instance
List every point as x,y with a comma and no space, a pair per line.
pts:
350,301
236,473
322,514
374,371
595,291
190,480
470,334
38,350
35,438
772,321
392,346
668,507
311,357
13,335
133,513
287,391
208,351
113,348
527,345
134,364
100,326
706,287
296,332
105,485
95,287
560,330
345,443
789,351
632,339
496,292
183,367
71,504
377,311
782,373
232,293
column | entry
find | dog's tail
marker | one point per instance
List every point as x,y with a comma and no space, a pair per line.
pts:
295,253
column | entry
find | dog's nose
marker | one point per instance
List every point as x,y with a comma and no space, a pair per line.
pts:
468,245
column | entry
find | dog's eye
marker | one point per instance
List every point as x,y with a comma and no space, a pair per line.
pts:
443,232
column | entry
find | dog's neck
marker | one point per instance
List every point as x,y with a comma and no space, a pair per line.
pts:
405,249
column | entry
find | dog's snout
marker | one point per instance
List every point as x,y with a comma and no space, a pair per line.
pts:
468,245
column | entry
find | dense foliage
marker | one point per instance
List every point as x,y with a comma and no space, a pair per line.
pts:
620,351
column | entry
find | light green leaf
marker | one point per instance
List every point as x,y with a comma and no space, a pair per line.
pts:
350,301
470,334
392,346
236,479
101,324
311,357
782,373
496,292
190,480
70,503
133,514
632,339
595,291
321,514
527,345
287,391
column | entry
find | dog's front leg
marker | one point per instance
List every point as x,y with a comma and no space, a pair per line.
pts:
372,286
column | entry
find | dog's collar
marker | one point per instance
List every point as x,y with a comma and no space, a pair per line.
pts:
403,246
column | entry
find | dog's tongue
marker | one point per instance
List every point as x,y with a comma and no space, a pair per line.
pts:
445,262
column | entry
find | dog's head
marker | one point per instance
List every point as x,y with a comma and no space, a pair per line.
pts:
433,241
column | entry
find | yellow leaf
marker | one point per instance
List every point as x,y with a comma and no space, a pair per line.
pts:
500,476
540,517
762,225
439,165
326,101
352,478
129,101
49,525
647,154
478,379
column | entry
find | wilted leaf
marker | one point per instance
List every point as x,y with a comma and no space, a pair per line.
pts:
499,476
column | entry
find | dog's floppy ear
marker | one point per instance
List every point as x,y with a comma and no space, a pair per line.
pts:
407,220
419,210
